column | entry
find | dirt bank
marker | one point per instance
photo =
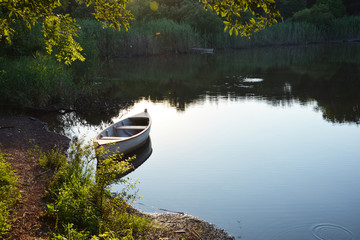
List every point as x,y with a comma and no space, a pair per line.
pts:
17,136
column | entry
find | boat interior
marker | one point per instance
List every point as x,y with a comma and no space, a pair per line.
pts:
125,128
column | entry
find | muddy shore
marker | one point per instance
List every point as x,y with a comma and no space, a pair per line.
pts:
20,134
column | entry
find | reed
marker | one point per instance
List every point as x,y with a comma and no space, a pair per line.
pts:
35,81
162,36
297,33
346,28
144,38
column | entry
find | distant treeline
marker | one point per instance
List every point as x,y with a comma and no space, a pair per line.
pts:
176,26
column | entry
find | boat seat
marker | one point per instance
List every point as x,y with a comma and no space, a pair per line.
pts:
113,138
130,127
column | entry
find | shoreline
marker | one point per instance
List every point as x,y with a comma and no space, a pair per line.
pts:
18,134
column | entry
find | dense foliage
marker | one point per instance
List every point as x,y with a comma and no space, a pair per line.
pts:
80,201
59,29
46,81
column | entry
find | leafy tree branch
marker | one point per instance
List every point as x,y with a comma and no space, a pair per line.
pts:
59,30
264,14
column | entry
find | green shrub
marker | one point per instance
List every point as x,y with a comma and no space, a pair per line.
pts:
33,81
80,200
336,7
54,159
8,194
25,42
319,15
287,8
71,234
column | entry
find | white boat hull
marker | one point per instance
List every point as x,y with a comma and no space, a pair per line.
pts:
124,136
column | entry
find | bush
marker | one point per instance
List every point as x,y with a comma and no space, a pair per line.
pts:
80,201
287,8
24,42
8,194
319,15
38,81
336,7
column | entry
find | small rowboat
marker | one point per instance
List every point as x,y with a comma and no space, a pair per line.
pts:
126,135
203,50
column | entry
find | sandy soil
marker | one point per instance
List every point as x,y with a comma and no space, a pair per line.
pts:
18,135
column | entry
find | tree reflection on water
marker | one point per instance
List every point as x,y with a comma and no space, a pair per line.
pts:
325,74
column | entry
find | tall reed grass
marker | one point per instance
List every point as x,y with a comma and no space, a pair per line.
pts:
33,81
295,33
163,36
144,38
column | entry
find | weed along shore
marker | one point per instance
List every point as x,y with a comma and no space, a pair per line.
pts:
47,186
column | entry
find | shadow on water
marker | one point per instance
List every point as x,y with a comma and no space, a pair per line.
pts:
142,154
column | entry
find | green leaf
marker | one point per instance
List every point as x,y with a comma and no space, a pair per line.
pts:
231,31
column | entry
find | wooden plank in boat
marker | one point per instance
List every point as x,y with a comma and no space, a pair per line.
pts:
130,127
113,138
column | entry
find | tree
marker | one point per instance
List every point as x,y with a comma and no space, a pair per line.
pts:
352,7
59,29
336,7
264,14
322,13
287,8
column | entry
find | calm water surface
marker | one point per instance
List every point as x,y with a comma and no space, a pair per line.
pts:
263,143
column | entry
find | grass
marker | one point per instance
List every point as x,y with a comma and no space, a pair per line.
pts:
8,193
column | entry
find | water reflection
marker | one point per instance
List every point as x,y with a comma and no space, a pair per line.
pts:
142,154
281,76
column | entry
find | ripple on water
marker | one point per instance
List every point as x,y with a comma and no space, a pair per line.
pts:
329,231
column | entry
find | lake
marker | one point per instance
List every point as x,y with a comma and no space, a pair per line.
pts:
264,143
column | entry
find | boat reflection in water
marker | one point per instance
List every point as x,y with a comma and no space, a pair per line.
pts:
142,154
